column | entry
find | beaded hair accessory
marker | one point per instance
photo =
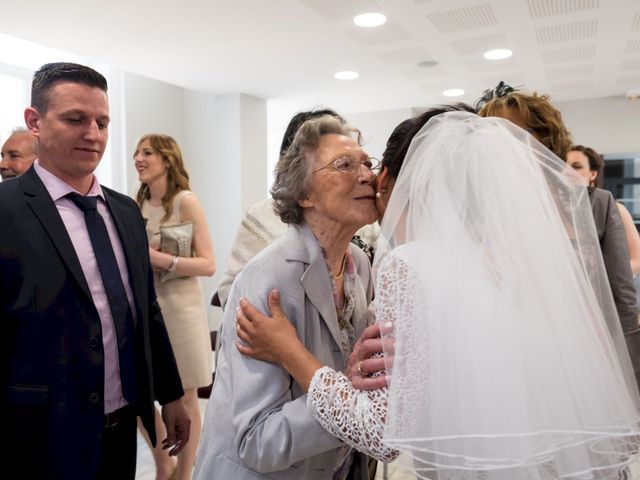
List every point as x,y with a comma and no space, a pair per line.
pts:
500,90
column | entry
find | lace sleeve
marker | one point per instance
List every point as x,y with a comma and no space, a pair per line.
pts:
354,416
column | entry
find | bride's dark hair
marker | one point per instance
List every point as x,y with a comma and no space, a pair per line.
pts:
400,139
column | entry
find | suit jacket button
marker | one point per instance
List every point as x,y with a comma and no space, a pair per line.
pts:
94,397
93,342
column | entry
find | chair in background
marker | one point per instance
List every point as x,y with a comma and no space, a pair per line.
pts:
205,392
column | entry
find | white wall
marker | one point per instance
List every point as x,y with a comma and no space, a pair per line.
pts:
377,126
149,107
609,125
223,140
227,137
253,133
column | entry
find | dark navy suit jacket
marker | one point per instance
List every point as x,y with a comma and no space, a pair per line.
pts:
51,351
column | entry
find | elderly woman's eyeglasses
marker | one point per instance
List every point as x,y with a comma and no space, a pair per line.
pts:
348,164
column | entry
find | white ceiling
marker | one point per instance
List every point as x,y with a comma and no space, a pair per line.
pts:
290,49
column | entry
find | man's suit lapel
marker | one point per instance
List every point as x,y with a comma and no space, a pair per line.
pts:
42,205
315,280
126,232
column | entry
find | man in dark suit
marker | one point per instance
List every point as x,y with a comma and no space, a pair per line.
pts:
84,349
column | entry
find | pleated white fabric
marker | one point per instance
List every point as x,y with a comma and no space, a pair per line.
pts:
509,359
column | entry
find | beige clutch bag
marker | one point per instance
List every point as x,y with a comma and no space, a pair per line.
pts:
176,240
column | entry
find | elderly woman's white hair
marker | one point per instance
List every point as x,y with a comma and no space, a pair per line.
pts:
292,170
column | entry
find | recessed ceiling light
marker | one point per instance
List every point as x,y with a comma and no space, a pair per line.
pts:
498,54
453,92
427,64
346,75
370,20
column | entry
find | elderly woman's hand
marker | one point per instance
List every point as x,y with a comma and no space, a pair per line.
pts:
366,365
262,337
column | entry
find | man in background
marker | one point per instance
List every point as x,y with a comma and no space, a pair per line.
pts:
18,153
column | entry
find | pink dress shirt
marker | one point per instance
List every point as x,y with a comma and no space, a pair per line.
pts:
73,219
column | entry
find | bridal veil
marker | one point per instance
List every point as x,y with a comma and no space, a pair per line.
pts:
509,359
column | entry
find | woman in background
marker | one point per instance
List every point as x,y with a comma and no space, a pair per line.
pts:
173,211
535,114
589,164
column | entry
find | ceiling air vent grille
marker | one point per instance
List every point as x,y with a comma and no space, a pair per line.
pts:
567,32
479,44
334,9
550,8
468,18
552,57
633,46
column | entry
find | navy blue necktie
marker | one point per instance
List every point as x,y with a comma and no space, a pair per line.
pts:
114,288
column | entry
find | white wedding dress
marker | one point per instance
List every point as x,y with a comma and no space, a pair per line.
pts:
509,361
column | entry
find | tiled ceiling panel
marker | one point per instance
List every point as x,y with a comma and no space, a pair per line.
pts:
425,73
565,55
478,66
570,86
568,72
567,32
461,19
403,56
289,49
550,8
479,44
390,32
436,88
334,9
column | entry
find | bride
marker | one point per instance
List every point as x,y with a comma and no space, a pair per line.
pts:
508,361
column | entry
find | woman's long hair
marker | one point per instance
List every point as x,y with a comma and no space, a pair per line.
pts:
177,176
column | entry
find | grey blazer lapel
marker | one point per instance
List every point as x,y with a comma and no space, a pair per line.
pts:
315,279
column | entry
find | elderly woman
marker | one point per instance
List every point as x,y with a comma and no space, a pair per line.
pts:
257,424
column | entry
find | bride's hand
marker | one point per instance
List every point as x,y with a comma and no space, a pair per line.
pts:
262,337
366,358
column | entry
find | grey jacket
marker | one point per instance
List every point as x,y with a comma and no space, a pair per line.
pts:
613,243
257,424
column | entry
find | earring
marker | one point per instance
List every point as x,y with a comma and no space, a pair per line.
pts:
380,192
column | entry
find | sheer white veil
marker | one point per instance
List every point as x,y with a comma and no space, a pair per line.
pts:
509,358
